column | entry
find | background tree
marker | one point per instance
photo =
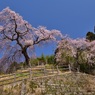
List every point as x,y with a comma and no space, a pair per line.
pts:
64,51
50,59
42,59
18,38
90,36
77,52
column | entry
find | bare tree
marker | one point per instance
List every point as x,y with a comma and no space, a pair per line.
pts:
18,37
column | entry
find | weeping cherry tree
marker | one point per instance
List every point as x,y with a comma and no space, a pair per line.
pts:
18,38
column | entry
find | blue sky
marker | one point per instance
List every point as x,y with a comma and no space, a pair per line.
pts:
72,17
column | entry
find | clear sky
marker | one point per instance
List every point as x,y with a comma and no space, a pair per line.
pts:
72,17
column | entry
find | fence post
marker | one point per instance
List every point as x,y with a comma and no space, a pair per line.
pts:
69,67
44,70
38,63
57,69
52,70
22,68
30,64
14,77
23,88
78,69
46,61
30,73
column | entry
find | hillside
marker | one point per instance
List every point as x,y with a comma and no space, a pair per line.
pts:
67,83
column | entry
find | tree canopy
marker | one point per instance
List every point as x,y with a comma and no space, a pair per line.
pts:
18,38
75,52
90,36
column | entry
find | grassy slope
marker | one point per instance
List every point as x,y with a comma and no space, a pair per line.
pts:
67,84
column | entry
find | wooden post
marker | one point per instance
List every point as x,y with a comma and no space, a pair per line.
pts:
52,70
46,61
29,64
23,88
14,77
69,67
78,69
44,70
57,69
42,64
22,68
30,72
41,85
38,62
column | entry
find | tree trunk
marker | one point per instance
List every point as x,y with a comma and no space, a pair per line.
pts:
27,59
77,61
24,52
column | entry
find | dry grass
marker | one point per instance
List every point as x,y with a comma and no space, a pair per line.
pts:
25,73
68,83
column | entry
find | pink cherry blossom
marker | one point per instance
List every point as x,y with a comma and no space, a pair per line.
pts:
17,36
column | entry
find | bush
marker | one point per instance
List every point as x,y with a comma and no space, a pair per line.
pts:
87,68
